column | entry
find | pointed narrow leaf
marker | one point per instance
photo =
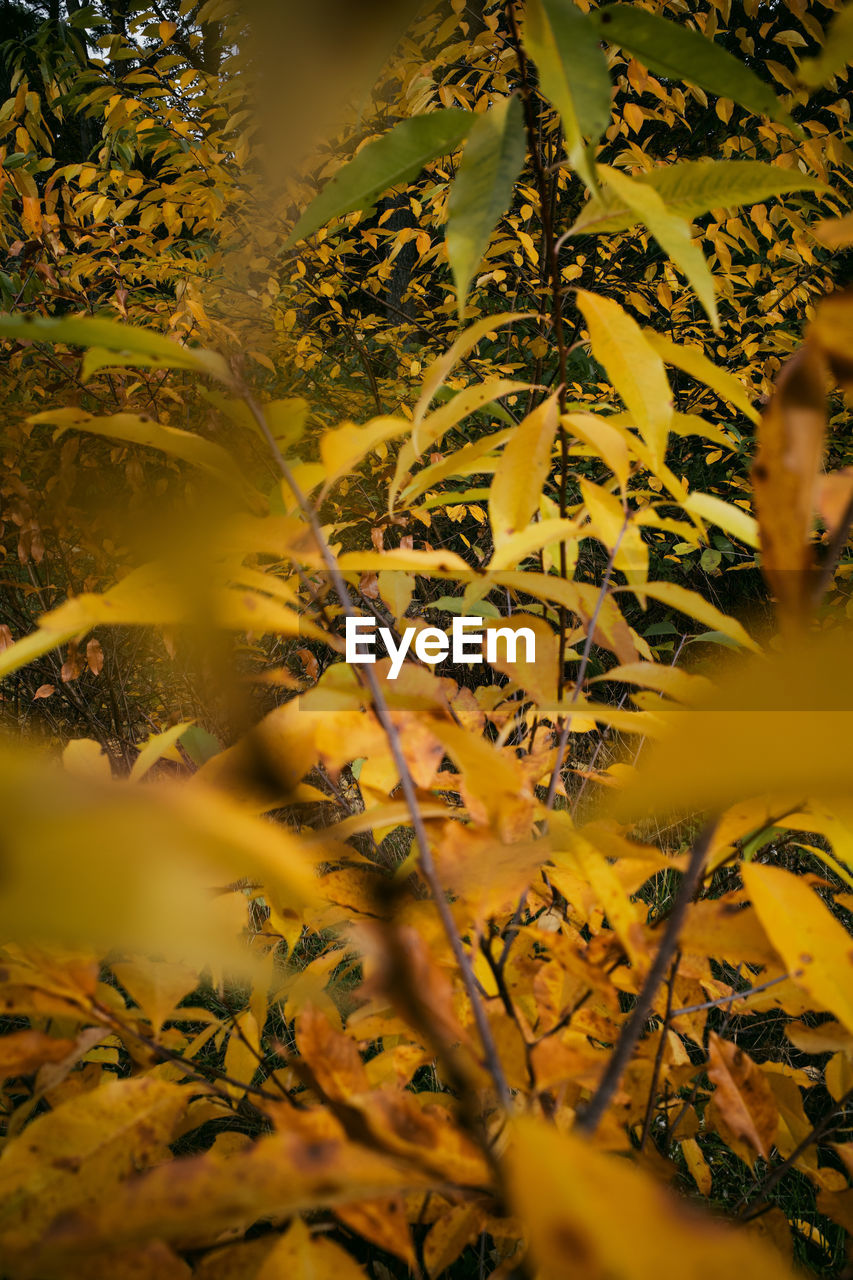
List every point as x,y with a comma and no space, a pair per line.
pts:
693,360
91,331
482,190
739,523
523,471
679,53
464,344
427,432
694,187
573,74
396,157
696,606
673,234
138,428
633,366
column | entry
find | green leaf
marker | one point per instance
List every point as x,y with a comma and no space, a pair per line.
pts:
482,190
673,234
661,629
835,55
680,53
200,745
695,187
456,604
91,331
493,409
573,75
395,158
714,637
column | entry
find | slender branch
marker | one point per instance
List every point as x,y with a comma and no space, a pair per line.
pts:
650,1105
383,714
584,663
589,1119
193,1071
552,265
735,995
820,1130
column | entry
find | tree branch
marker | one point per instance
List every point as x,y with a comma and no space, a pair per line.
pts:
383,714
590,1117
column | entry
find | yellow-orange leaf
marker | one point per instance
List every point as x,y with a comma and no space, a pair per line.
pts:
591,1214
814,945
633,366
743,1097
522,472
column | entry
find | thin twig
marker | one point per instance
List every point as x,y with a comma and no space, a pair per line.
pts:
383,714
551,266
735,995
820,1130
650,1105
589,1119
581,672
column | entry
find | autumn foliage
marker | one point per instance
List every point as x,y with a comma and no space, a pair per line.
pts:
532,312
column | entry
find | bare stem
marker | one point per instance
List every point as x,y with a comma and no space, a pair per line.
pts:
650,1105
735,995
584,663
551,258
383,715
589,1119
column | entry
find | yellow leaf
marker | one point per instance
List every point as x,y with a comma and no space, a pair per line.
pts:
72,1157
696,606
86,759
672,232
610,522
692,360
467,340
573,850
157,987
23,1052
633,366
591,1214
739,523
137,428
697,1165
428,431
111,865
459,1226
607,440
156,747
814,945
345,448
671,681
742,1098
195,1200
518,546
